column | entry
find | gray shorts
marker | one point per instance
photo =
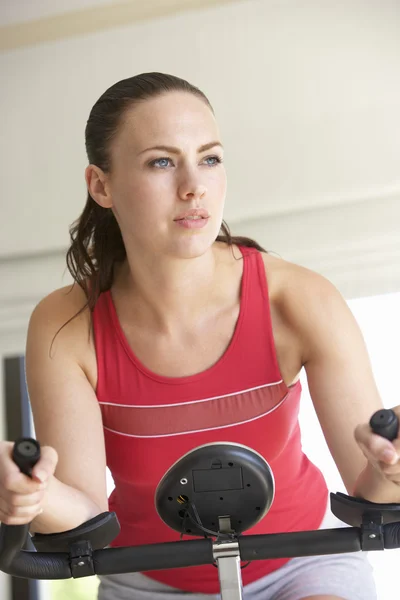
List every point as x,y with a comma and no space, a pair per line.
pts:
347,576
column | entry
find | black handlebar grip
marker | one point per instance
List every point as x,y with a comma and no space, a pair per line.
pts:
25,454
385,423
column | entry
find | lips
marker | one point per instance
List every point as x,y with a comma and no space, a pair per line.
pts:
195,212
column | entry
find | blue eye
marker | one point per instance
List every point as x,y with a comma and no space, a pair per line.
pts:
217,160
156,163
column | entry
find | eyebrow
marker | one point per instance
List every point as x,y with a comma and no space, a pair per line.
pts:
174,150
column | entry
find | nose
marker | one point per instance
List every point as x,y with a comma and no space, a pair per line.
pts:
192,190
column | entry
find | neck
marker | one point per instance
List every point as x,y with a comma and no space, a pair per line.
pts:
167,292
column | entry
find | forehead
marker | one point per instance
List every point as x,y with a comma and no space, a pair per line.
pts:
166,118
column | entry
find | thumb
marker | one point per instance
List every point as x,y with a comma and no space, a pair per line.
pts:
46,465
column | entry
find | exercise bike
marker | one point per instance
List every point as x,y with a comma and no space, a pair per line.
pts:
216,491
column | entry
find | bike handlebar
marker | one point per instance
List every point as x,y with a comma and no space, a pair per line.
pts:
188,553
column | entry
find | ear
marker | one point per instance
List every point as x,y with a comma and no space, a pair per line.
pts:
97,184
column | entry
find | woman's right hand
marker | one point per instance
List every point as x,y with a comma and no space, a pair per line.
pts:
22,497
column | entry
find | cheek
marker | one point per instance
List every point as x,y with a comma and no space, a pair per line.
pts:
138,203
219,178
220,187
151,187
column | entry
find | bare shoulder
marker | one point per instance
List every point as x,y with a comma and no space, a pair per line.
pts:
61,305
287,279
309,305
61,321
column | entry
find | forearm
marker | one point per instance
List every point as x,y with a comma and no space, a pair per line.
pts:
373,486
64,508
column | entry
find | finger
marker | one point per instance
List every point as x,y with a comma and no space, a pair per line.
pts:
18,483
9,520
46,466
13,499
392,471
376,447
396,445
378,462
28,513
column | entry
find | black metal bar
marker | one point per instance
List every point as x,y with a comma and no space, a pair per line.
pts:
170,555
18,424
152,557
301,543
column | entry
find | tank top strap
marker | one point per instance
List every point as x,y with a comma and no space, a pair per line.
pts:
257,332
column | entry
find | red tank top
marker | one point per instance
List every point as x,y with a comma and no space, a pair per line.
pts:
150,421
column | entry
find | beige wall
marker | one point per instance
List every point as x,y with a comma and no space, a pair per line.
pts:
306,94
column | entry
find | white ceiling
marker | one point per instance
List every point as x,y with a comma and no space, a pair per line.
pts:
22,11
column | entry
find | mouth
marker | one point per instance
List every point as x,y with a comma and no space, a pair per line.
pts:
191,218
192,222
193,214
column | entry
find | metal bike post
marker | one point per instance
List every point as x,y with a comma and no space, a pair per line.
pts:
227,557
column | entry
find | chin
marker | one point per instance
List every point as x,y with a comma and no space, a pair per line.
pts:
194,246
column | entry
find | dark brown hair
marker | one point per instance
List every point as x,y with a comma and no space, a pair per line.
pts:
96,240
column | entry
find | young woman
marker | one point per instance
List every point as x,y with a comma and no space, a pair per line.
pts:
177,335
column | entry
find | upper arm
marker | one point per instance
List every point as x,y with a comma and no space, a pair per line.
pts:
338,368
65,410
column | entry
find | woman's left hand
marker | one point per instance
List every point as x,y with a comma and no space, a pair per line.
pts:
382,454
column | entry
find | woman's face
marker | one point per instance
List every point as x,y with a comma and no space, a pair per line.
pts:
166,161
